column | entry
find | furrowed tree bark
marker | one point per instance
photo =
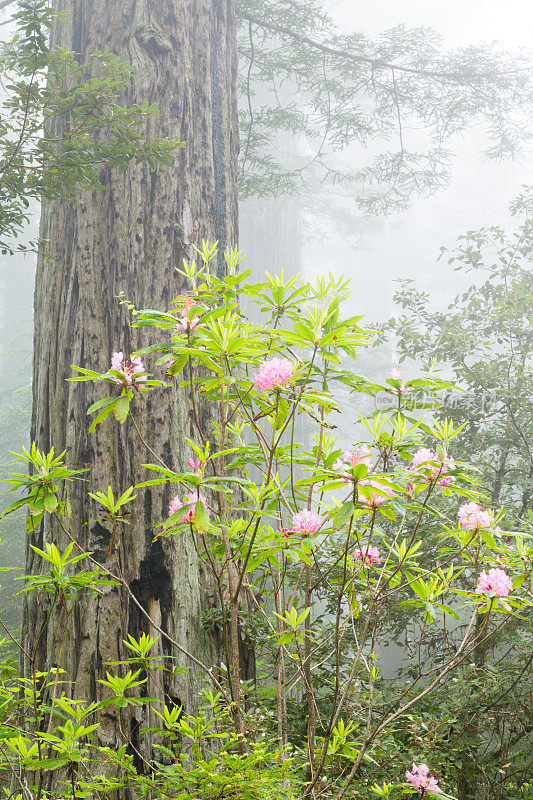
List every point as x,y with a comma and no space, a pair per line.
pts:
129,238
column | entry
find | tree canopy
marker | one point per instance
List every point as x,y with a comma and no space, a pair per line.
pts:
321,110
335,94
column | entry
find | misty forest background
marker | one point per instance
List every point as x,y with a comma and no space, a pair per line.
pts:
294,234
304,208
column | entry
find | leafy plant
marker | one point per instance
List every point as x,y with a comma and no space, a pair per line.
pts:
314,551
484,338
44,83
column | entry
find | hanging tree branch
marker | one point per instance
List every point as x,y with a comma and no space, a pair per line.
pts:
375,63
343,89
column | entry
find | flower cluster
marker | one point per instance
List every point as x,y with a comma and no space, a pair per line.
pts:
472,517
130,368
185,323
273,374
376,498
351,458
425,460
496,581
397,375
369,556
195,466
188,515
306,522
421,779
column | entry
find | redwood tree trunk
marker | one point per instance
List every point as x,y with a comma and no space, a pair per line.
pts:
130,238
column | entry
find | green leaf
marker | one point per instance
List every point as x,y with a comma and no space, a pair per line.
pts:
50,502
102,416
201,518
178,364
488,538
122,407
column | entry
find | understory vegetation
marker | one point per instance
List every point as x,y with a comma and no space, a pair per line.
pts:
256,573
319,553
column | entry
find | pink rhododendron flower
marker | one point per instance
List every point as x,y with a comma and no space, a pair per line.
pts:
351,458
495,581
130,369
423,456
306,522
273,373
185,323
376,499
421,779
473,517
395,373
444,482
370,555
188,515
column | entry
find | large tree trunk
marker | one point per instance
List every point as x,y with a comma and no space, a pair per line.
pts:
130,238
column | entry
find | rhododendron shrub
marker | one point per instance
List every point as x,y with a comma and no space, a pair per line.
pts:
309,549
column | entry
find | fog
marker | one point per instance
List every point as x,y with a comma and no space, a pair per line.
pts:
376,252
331,660
406,244
286,233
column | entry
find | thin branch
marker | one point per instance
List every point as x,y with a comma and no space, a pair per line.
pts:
385,723
348,56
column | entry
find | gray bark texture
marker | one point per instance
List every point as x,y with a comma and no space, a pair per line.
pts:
130,237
